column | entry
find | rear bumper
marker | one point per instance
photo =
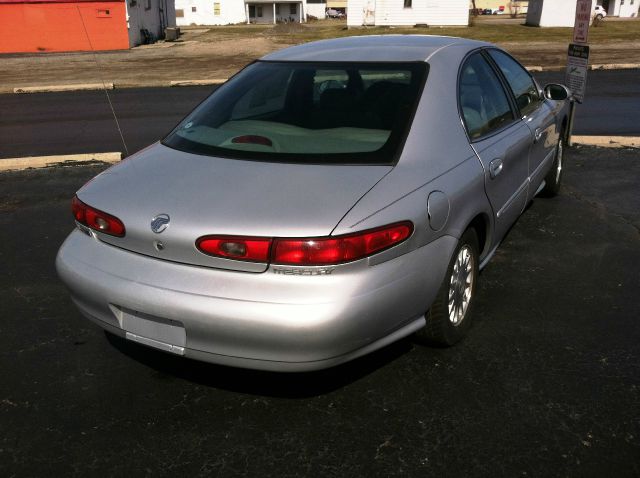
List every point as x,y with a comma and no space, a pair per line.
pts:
262,321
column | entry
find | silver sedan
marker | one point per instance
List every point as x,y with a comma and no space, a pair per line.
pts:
329,199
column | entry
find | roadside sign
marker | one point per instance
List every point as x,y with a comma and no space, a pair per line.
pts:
578,59
581,24
576,76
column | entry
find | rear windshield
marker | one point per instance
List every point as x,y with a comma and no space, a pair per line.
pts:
306,113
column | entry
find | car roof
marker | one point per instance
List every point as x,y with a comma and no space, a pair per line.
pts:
383,48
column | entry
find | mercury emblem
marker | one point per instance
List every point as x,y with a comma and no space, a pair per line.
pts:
159,223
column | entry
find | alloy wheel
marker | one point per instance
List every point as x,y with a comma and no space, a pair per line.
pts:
461,285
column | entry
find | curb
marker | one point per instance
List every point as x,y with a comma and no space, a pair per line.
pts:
615,66
8,164
112,86
59,88
212,81
595,66
607,141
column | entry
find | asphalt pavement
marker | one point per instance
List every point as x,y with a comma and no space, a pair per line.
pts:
82,122
611,105
546,384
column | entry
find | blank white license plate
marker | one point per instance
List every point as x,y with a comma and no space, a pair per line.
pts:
165,334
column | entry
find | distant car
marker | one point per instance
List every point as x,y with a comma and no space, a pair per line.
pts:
600,12
331,13
329,199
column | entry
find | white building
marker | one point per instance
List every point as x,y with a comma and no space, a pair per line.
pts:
621,8
268,11
147,20
407,12
226,12
317,8
198,12
553,13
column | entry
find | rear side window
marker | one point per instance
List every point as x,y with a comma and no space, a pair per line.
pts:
483,101
523,87
307,113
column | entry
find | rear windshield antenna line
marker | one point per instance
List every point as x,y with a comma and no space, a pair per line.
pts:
104,86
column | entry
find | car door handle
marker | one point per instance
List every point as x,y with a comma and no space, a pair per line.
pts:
537,135
495,167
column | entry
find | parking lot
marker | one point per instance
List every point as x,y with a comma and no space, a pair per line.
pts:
547,383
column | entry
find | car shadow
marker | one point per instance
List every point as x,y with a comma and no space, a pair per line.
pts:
256,382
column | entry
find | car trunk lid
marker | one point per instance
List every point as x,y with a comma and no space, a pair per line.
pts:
201,195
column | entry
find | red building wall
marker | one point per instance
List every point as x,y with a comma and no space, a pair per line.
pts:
54,25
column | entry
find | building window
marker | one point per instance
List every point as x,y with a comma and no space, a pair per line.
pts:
193,9
293,9
216,8
255,11
277,9
407,3
147,5
179,13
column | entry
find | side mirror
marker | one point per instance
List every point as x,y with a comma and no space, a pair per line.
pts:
556,92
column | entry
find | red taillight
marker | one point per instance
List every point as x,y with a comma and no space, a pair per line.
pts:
306,250
96,219
254,249
335,250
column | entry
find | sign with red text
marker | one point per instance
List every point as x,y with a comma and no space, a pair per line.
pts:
582,22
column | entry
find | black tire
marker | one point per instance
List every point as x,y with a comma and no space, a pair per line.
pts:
440,328
553,179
